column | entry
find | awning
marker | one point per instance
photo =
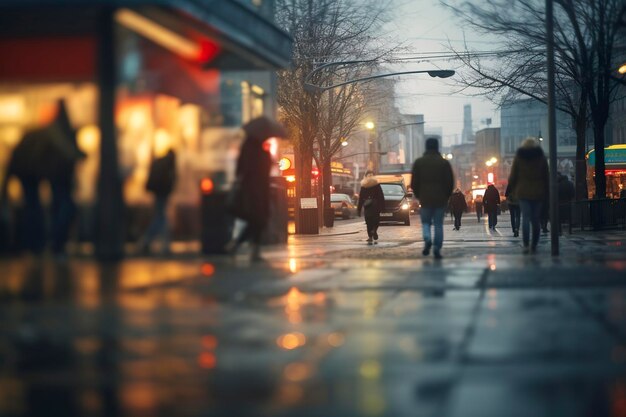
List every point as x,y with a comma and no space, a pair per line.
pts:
247,38
614,157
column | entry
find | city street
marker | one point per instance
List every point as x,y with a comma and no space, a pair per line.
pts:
327,326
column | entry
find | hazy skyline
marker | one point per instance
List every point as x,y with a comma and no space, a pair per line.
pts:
426,26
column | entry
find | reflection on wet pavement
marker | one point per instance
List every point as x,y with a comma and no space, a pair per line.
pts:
324,327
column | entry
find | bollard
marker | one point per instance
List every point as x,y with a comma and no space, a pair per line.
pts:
217,224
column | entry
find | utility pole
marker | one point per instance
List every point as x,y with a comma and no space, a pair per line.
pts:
554,197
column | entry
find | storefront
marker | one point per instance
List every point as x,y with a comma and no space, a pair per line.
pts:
138,77
615,170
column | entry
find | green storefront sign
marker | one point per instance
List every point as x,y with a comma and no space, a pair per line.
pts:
613,155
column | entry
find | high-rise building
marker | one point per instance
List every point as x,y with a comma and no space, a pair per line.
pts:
468,131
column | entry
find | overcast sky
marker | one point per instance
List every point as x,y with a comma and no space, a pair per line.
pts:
426,26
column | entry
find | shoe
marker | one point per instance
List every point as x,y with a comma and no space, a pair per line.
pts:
437,254
426,250
516,234
375,235
525,250
369,240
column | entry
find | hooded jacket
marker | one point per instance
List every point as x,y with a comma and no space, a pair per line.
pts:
432,181
457,202
529,174
371,190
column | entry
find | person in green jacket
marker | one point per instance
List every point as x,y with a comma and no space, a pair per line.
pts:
432,183
529,181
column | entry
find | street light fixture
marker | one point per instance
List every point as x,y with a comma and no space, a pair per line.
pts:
316,88
622,69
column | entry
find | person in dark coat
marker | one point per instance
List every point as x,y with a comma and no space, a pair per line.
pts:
432,182
529,182
457,205
372,201
49,153
491,201
251,201
161,181
566,193
478,202
514,209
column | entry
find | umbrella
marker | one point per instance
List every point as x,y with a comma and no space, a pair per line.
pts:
263,127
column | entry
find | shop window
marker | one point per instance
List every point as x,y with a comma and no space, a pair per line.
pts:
251,101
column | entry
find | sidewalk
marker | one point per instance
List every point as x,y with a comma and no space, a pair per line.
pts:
328,326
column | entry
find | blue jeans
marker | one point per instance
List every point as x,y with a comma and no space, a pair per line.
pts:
531,214
430,215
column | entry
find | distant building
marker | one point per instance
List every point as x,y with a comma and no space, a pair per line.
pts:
521,119
463,160
487,149
468,131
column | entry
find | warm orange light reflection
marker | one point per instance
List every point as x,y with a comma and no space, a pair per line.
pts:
296,372
293,265
209,342
207,269
291,341
492,267
336,339
207,360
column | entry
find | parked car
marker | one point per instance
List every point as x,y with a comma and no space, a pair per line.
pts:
397,203
343,205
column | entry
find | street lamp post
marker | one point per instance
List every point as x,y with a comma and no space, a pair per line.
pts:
554,199
435,73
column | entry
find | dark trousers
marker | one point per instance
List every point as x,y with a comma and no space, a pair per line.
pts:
33,236
493,217
372,222
479,211
516,212
253,232
531,218
158,225
63,212
457,219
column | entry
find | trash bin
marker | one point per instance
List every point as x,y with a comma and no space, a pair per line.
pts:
278,225
329,217
217,224
308,220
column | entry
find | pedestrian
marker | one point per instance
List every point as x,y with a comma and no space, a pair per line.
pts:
432,182
250,196
372,201
545,216
478,202
566,193
457,205
491,201
514,210
46,154
529,182
161,181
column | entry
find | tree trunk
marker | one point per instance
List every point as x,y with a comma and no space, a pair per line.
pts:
600,179
327,182
581,163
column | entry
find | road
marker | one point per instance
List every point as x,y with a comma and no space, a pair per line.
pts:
326,326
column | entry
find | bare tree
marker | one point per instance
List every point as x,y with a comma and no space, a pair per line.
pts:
325,31
585,36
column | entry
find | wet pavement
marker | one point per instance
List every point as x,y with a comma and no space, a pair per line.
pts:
327,326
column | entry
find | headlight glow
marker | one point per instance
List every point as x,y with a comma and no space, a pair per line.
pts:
405,206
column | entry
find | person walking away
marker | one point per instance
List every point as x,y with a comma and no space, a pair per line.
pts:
432,182
566,193
49,153
250,196
372,201
161,181
62,168
491,201
529,182
478,202
514,210
457,205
